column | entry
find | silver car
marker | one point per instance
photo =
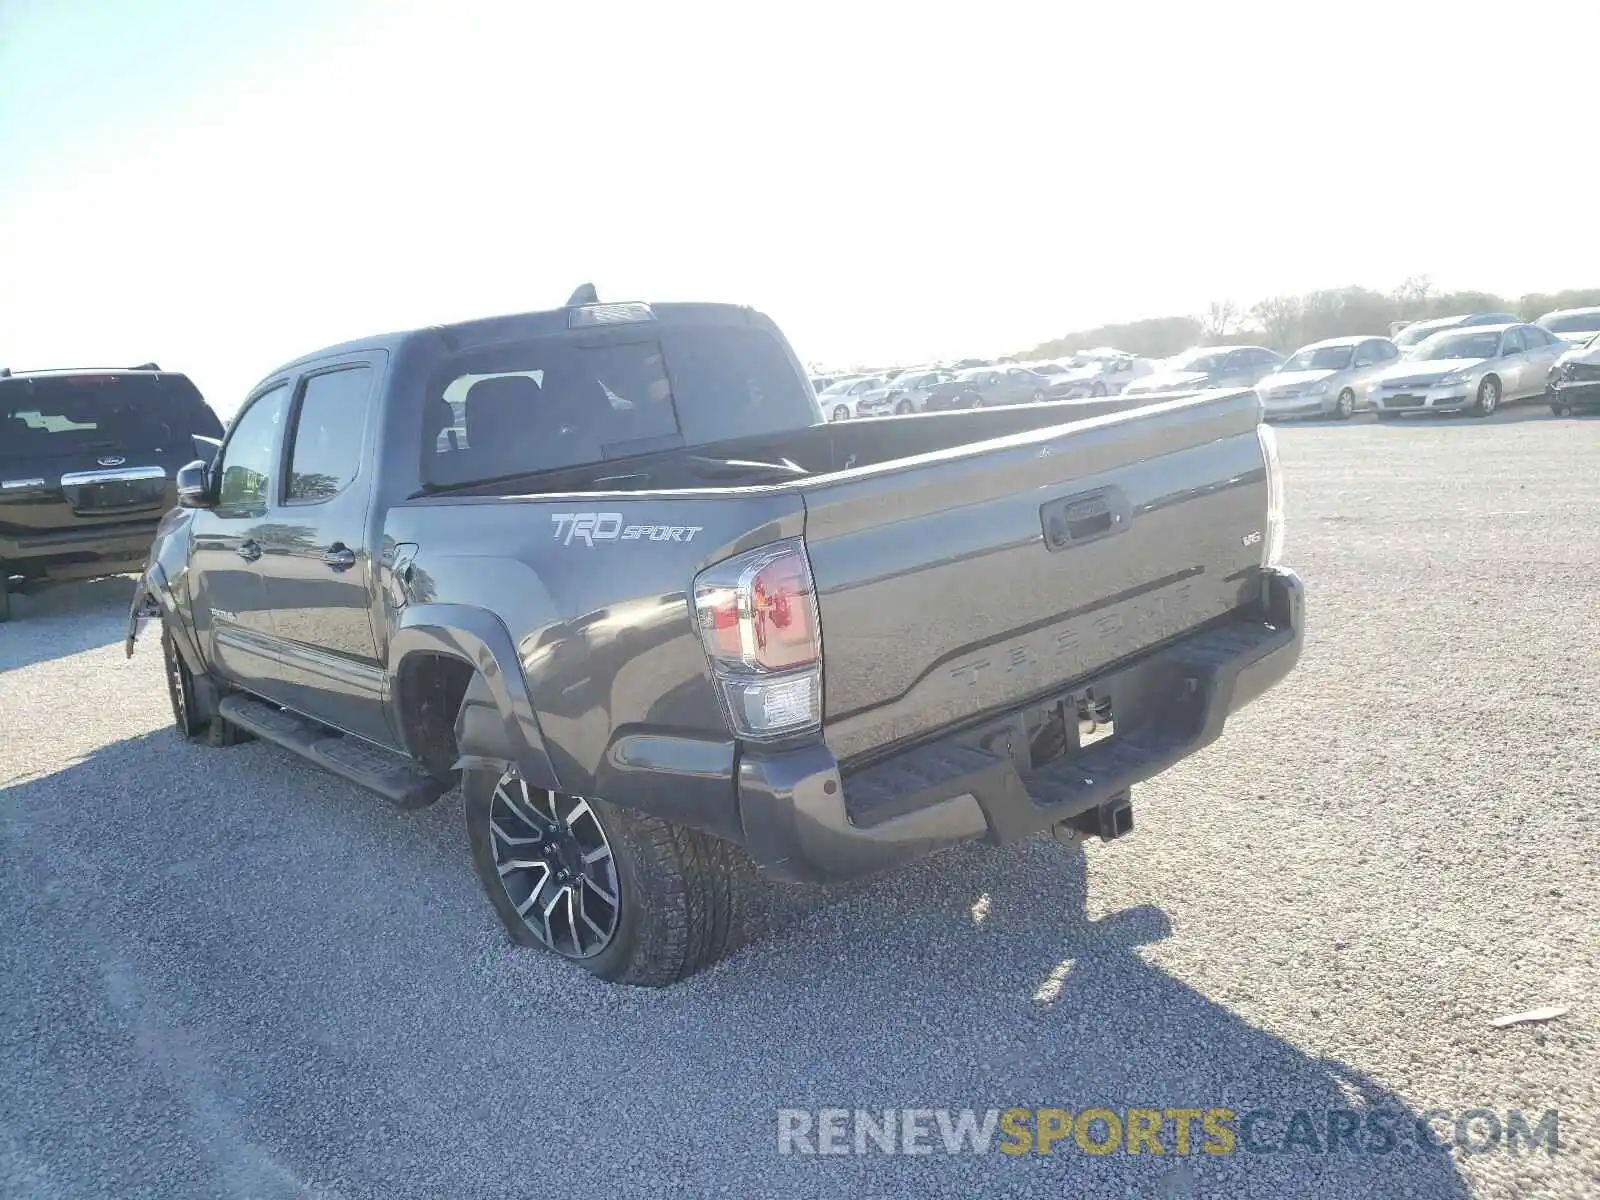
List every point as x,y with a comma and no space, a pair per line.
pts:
1414,334
862,396
1472,370
1573,325
1206,367
908,392
1327,378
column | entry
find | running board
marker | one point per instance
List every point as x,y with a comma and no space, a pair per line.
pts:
395,778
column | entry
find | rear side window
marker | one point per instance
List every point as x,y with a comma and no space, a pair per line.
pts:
328,434
551,403
1581,322
79,414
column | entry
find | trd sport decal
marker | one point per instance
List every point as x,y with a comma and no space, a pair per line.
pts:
592,527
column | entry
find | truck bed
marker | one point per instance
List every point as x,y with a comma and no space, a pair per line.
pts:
957,574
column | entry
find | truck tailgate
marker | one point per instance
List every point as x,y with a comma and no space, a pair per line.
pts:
969,581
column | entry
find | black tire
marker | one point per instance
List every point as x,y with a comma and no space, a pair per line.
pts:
5,594
1098,391
1038,396
840,413
187,715
1345,405
1488,397
903,408
1556,407
180,688
679,891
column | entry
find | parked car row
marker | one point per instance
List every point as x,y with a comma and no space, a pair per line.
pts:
1472,363
933,390
1335,377
971,383
1207,367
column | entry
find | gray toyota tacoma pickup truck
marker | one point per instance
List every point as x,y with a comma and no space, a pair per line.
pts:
609,569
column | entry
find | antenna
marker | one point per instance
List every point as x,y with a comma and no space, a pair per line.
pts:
145,367
584,295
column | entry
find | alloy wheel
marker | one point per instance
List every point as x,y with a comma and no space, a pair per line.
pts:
1489,396
556,866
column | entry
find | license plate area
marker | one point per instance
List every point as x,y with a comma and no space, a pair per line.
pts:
93,492
1056,729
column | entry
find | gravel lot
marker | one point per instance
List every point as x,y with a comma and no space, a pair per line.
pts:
223,974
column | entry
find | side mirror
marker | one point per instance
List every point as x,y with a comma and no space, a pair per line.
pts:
194,485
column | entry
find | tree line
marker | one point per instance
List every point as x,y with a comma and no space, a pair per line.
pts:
1290,321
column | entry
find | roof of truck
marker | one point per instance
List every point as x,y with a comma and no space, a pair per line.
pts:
483,331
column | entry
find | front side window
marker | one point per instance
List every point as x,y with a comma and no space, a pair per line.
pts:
249,454
1511,342
328,434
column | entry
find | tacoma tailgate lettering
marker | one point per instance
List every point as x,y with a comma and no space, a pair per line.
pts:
592,527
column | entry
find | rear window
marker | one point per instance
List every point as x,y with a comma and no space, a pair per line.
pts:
76,414
551,403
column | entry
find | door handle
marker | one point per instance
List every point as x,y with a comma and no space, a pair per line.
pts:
339,557
249,551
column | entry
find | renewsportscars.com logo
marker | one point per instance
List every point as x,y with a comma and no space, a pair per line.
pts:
1175,1131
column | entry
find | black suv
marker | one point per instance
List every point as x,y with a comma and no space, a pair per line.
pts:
88,460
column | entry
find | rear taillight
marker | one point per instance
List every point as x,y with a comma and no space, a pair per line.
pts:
1272,544
758,619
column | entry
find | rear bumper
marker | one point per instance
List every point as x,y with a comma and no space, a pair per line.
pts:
805,821
84,552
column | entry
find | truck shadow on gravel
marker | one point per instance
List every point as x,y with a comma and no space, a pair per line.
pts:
289,986
65,620
979,980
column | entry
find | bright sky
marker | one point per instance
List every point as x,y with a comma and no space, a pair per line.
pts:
221,190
